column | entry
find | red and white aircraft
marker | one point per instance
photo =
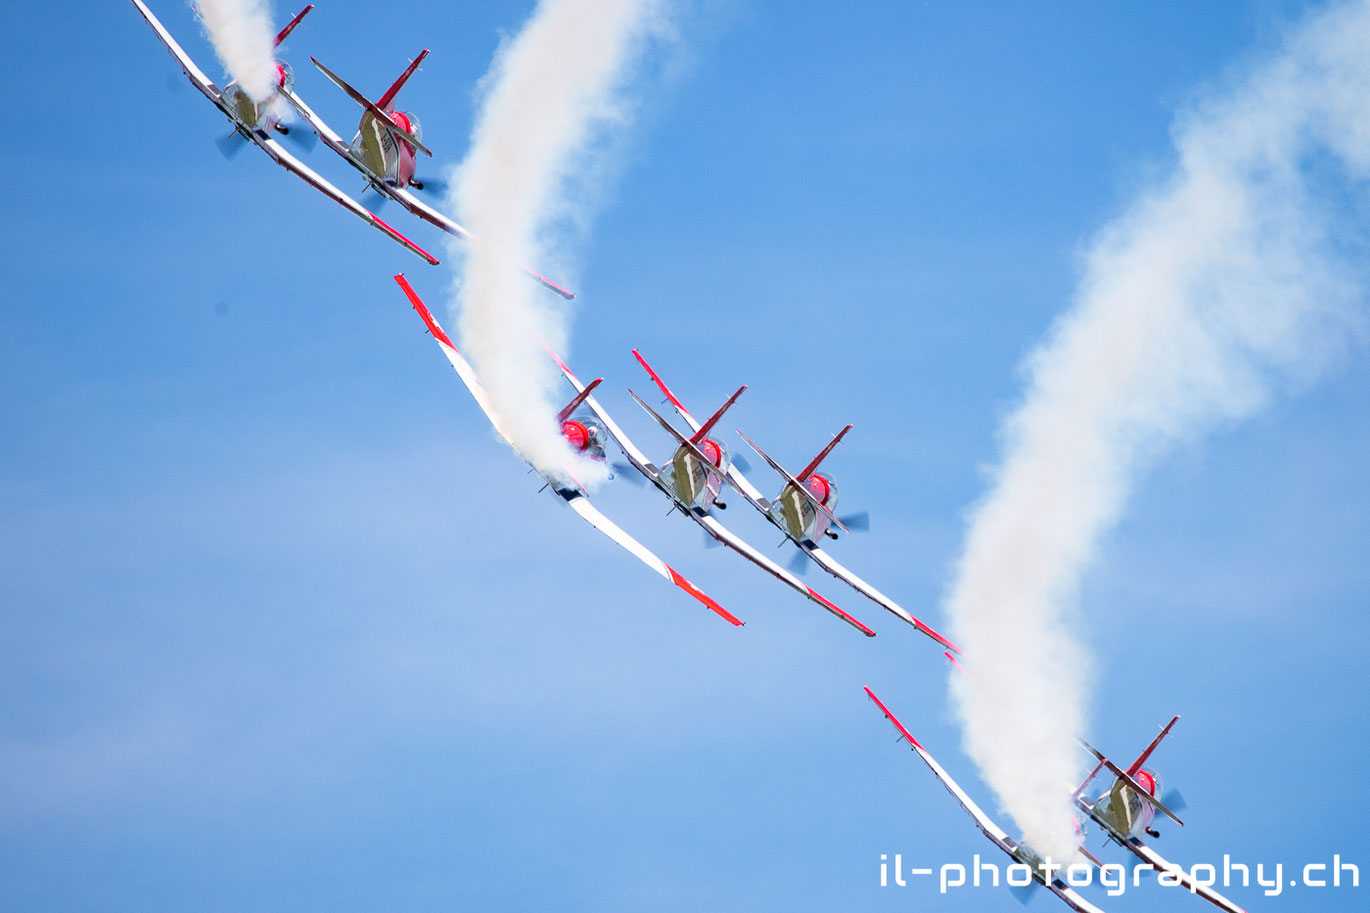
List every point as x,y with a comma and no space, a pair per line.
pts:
1129,809
385,150
564,487
256,121
1020,852
803,511
693,479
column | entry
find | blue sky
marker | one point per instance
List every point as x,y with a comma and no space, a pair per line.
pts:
268,633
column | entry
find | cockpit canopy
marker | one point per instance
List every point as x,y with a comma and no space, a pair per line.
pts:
584,436
823,488
717,453
415,128
285,76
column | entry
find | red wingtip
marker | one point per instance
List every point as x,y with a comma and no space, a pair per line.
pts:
703,597
432,260
816,597
939,638
433,327
951,656
661,384
893,719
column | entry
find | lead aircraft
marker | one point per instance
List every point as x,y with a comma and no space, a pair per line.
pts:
563,485
803,510
385,150
1129,809
258,119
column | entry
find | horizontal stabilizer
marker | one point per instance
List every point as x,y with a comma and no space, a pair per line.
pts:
375,110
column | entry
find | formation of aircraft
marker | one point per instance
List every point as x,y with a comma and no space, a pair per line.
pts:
699,470
384,149
693,478
803,510
256,121
562,485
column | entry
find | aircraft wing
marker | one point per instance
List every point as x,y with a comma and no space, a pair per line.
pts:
193,73
305,173
992,831
1159,863
574,497
829,564
722,534
400,195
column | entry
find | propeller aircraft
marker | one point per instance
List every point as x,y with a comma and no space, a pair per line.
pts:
257,119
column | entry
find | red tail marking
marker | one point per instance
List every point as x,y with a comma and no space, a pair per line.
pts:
290,26
433,327
384,101
705,428
703,597
893,719
808,470
580,397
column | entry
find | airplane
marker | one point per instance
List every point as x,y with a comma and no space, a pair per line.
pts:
693,480
1129,809
385,150
564,487
258,120
803,511
1018,851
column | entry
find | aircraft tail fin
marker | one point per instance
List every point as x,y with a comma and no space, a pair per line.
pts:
1141,759
385,101
704,429
808,470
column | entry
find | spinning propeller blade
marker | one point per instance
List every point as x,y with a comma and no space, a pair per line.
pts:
859,522
231,145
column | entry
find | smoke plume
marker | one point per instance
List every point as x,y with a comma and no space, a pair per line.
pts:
551,96
1231,279
243,38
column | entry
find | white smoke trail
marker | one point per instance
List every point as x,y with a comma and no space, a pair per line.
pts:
1229,279
243,37
551,92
